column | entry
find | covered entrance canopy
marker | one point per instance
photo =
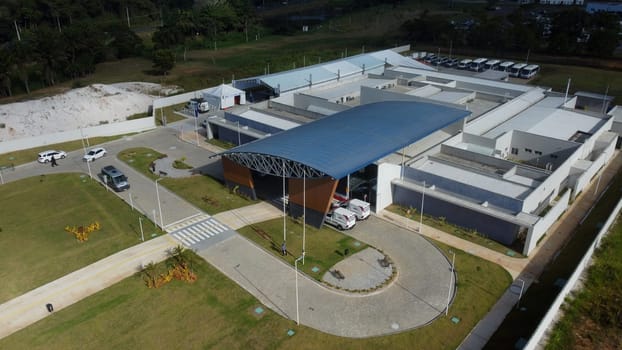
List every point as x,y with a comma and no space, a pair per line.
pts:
315,156
344,142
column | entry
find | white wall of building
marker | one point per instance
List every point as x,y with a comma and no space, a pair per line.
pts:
585,178
384,195
550,186
542,226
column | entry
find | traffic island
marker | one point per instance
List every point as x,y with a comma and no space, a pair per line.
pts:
363,272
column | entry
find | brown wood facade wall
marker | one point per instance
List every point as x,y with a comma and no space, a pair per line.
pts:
237,174
319,193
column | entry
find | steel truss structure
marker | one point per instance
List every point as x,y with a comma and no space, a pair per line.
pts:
272,165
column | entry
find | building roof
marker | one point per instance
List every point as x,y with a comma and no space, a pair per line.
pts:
546,119
320,73
347,141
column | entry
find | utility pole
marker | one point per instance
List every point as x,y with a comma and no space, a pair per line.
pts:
19,38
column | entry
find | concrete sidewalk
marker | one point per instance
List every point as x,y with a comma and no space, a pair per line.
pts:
513,265
30,307
240,217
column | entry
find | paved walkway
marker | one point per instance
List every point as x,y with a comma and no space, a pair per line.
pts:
240,217
28,308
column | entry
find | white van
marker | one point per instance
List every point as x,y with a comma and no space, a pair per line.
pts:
341,218
515,69
505,66
361,209
464,64
530,71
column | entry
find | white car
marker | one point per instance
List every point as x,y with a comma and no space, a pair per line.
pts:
46,156
93,154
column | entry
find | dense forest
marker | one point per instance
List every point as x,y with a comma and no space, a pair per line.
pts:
560,31
44,42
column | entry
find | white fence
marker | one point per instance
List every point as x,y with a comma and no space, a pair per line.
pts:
173,100
126,127
570,284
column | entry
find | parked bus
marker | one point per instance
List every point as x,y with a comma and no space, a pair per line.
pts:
464,64
515,69
491,64
530,71
505,66
478,64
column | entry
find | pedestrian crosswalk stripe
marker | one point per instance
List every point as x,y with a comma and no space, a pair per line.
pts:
215,225
210,227
187,238
197,229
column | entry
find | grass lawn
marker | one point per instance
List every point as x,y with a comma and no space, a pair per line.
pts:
30,155
324,247
457,231
203,191
36,247
592,318
583,79
221,144
215,313
169,113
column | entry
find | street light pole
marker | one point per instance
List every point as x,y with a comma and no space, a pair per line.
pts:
422,200
297,305
239,139
196,127
142,233
88,165
304,213
451,281
159,204
284,214
520,295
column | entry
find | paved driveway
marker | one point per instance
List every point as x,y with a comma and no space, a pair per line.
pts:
417,296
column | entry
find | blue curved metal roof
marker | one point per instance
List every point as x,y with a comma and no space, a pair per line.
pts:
347,141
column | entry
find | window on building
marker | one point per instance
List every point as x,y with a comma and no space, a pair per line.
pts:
538,153
554,156
528,150
514,150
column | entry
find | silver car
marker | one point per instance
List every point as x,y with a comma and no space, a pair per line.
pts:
93,154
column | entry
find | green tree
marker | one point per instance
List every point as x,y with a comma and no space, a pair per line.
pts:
23,62
6,67
50,53
123,41
603,34
163,60
85,48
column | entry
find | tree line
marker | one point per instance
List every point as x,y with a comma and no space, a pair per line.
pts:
44,42
567,32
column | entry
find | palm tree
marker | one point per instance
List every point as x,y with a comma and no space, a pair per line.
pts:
150,270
